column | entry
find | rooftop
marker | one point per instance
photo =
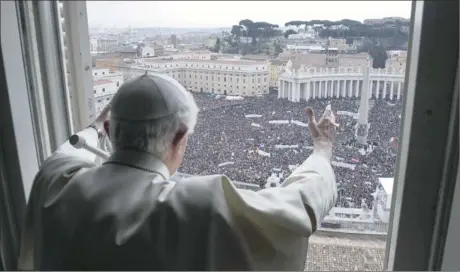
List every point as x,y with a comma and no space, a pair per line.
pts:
255,57
125,49
101,82
362,55
278,62
217,61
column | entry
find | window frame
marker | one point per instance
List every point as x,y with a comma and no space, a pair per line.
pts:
416,240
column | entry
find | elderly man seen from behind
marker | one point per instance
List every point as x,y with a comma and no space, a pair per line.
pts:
127,214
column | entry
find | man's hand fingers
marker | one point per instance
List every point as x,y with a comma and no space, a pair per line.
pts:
311,115
105,110
312,123
98,122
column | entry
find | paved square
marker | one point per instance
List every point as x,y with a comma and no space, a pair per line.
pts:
349,253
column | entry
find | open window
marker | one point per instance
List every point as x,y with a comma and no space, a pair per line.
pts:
416,230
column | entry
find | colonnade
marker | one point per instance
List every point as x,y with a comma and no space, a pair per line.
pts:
338,86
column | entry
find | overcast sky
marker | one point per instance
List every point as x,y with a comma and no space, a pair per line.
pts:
228,13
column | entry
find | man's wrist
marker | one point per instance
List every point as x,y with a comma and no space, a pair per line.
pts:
324,150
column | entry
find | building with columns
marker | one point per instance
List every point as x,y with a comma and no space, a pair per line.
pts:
238,77
313,83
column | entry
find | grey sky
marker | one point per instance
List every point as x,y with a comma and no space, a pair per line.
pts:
227,13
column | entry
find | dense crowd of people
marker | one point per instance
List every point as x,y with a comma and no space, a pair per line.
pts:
247,148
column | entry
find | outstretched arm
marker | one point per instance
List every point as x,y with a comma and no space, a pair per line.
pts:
276,222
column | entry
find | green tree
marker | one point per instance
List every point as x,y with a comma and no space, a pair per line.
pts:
217,46
289,32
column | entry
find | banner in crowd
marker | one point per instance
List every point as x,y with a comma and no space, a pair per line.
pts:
279,122
302,124
255,125
252,115
225,163
262,153
231,97
344,165
286,146
348,113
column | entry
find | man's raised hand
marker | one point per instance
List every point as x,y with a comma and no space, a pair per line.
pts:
322,132
102,117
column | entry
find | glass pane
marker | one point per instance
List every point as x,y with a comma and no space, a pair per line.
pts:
253,68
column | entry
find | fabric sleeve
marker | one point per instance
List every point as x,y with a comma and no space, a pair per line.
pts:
277,221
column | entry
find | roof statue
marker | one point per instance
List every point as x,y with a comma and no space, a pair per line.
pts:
289,65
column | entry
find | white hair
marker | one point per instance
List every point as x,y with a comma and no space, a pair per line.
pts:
153,136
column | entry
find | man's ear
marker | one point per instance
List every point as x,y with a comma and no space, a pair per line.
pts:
180,135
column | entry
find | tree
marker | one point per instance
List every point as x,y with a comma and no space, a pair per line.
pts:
294,23
217,46
249,29
278,49
236,31
289,32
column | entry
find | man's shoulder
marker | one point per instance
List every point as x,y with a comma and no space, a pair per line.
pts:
200,186
200,189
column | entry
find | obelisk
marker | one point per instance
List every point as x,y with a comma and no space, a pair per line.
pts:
363,112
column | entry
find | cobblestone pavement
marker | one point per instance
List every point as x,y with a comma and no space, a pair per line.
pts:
347,253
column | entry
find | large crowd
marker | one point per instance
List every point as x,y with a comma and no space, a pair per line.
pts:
246,148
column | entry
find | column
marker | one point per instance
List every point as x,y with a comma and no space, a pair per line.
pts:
385,85
283,93
377,91
285,89
391,94
297,92
293,91
392,88
313,89
289,90
356,87
321,87
371,85
315,85
329,86
280,88
349,84
338,90
399,90
325,89
308,94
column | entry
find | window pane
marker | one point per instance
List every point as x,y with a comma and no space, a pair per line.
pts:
256,133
